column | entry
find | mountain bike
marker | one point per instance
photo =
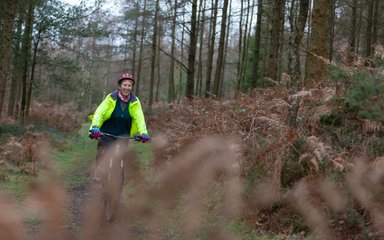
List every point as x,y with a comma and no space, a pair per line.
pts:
111,169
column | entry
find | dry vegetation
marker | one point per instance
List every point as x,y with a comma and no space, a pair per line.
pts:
216,162
60,117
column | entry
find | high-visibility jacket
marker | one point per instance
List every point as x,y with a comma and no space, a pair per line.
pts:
105,109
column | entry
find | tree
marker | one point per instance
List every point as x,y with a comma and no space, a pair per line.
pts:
7,16
211,48
171,80
141,48
277,19
192,52
153,57
220,52
243,53
256,53
353,33
318,40
16,65
201,21
298,23
26,51
369,30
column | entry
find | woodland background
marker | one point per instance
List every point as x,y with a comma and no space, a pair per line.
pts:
297,84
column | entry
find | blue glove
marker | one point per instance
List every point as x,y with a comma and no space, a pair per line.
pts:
95,132
144,138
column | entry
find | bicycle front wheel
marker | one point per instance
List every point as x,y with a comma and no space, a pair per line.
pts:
113,187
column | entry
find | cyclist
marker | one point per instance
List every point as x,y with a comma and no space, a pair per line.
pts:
119,114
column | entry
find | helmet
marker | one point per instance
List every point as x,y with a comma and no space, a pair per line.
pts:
126,76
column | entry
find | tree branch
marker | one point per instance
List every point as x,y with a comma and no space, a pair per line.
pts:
183,67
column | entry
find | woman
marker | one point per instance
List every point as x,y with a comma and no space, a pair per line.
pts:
120,113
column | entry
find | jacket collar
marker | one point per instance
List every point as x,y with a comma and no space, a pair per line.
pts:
132,97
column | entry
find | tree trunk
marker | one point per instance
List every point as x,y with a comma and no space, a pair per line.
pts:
134,47
220,52
374,25
153,58
247,34
5,46
16,71
332,15
240,48
171,80
26,52
244,51
225,50
352,36
32,78
276,34
211,48
318,39
192,52
368,34
199,84
182,58
138,77
256,53
158,64
298,36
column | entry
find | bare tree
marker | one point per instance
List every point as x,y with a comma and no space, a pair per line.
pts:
240,47
201,21
153,57
375,24
220,52
211,48
192,52
26,51
298,23
256,53
16,65
5,45
318,39
353,32
171,80
369,31
332,16
141,48
277,19
226,49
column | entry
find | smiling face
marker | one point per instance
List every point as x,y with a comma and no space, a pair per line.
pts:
126,87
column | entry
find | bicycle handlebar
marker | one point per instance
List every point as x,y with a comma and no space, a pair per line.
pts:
135,138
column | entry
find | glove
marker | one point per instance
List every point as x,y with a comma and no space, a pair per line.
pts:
144,138
95,132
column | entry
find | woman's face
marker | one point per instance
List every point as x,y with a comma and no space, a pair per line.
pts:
126,87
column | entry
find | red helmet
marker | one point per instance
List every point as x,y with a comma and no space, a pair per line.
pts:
126,76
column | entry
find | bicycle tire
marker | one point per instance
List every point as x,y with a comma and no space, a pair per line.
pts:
113,186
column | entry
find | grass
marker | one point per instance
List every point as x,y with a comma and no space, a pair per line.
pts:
244,231
72,154
76,159
17,185
144,153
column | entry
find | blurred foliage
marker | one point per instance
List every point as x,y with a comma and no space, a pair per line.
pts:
365,96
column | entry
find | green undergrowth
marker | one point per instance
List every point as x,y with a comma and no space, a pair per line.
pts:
73,155
245,231
76,159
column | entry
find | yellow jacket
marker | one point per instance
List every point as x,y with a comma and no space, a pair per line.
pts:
105,109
